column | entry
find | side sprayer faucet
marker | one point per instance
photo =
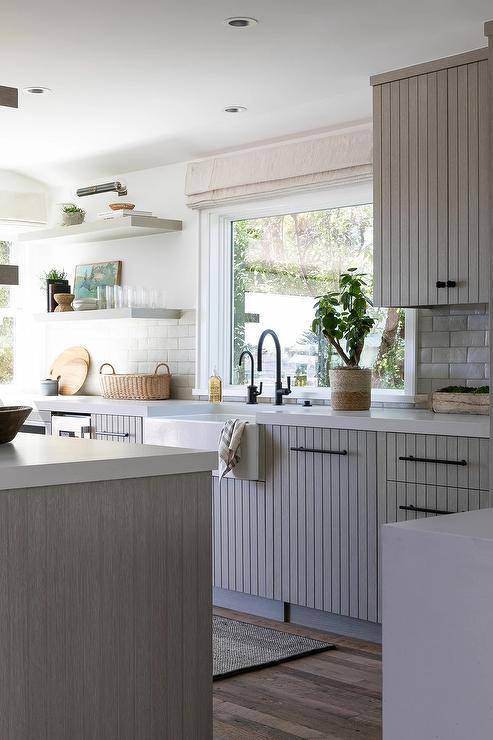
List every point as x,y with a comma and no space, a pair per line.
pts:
280,391
253,392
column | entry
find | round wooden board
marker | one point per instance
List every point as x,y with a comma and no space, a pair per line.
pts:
71,366
72,376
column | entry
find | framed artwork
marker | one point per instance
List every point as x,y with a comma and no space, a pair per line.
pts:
89,277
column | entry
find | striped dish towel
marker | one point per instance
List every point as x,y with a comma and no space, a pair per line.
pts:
229,445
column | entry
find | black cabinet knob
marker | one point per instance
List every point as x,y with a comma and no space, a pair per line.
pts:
451,284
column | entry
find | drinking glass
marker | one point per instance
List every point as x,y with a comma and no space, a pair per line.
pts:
118,296
110,296
101,296
129,296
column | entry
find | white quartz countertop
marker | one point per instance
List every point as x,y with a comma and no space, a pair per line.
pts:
414,421
474,524
417,421
35,460
94,405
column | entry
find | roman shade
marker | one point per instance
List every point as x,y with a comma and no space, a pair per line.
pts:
311,162
22,207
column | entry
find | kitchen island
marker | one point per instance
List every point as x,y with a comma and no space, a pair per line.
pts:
105,590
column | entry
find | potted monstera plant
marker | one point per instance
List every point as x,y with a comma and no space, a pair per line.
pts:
342,317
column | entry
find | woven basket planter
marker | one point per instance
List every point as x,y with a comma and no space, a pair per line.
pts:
135,386
350,388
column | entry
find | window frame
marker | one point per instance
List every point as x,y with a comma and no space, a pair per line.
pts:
12,311
214,298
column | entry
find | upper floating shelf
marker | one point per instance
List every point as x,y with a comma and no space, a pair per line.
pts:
111,313
100,231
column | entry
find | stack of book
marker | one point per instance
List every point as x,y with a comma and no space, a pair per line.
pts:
124,212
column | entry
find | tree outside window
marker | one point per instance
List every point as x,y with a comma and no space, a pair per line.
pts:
6,323
280,265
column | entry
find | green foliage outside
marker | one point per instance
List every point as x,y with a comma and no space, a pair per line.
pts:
304,254
6,325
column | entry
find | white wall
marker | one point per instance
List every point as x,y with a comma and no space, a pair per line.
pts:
165,261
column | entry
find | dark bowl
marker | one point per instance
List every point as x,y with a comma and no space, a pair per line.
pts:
11,420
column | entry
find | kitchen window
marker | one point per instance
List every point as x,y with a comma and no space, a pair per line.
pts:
263,265
7,322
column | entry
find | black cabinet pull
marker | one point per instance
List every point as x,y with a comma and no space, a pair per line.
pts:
322,452
411,458
448,284
112,434
424,510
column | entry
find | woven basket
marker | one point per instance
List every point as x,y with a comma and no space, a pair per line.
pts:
135,386
350,388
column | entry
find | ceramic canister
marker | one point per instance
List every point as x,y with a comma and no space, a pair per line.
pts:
48,387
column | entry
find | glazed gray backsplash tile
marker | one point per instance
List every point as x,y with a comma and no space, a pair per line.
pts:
452,347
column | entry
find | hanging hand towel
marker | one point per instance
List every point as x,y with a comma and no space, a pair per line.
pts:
229,445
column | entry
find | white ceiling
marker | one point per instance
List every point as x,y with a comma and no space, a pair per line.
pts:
138,84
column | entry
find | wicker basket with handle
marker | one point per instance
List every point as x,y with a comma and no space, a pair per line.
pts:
135,386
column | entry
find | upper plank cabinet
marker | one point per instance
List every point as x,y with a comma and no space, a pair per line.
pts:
430,179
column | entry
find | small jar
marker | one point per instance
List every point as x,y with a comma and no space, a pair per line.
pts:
48,387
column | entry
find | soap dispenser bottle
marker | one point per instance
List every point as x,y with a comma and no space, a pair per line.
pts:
215,388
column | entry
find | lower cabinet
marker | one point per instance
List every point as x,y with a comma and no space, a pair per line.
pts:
117,428
310,534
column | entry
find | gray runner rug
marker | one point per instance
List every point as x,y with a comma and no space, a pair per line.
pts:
240,646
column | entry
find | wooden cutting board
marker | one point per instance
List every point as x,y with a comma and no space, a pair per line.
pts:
71,366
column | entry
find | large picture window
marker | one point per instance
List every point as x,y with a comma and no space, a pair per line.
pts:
262,265
280,264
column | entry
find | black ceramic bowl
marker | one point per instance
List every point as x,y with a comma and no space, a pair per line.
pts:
11,420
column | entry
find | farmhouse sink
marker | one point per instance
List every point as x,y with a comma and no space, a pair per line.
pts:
202,432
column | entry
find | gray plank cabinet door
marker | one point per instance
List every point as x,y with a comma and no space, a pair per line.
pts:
308,535
117,428
246,527
331,523
430,185
460,462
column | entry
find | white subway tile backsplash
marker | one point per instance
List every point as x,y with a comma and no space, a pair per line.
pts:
131,346
186,343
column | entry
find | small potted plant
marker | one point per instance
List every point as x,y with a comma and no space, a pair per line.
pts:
342,317
72,215
53,281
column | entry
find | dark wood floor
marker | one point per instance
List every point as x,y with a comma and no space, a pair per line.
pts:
334,695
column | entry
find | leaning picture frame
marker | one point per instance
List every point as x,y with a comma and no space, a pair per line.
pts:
90,276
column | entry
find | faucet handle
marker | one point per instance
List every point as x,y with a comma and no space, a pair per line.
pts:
259,392
288,378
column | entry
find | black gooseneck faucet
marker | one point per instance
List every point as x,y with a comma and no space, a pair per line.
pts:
253,392
280,391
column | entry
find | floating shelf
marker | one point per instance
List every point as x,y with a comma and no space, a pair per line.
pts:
111,313
99,231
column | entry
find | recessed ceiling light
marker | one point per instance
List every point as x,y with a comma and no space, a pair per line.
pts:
37,90
234,109
241,22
